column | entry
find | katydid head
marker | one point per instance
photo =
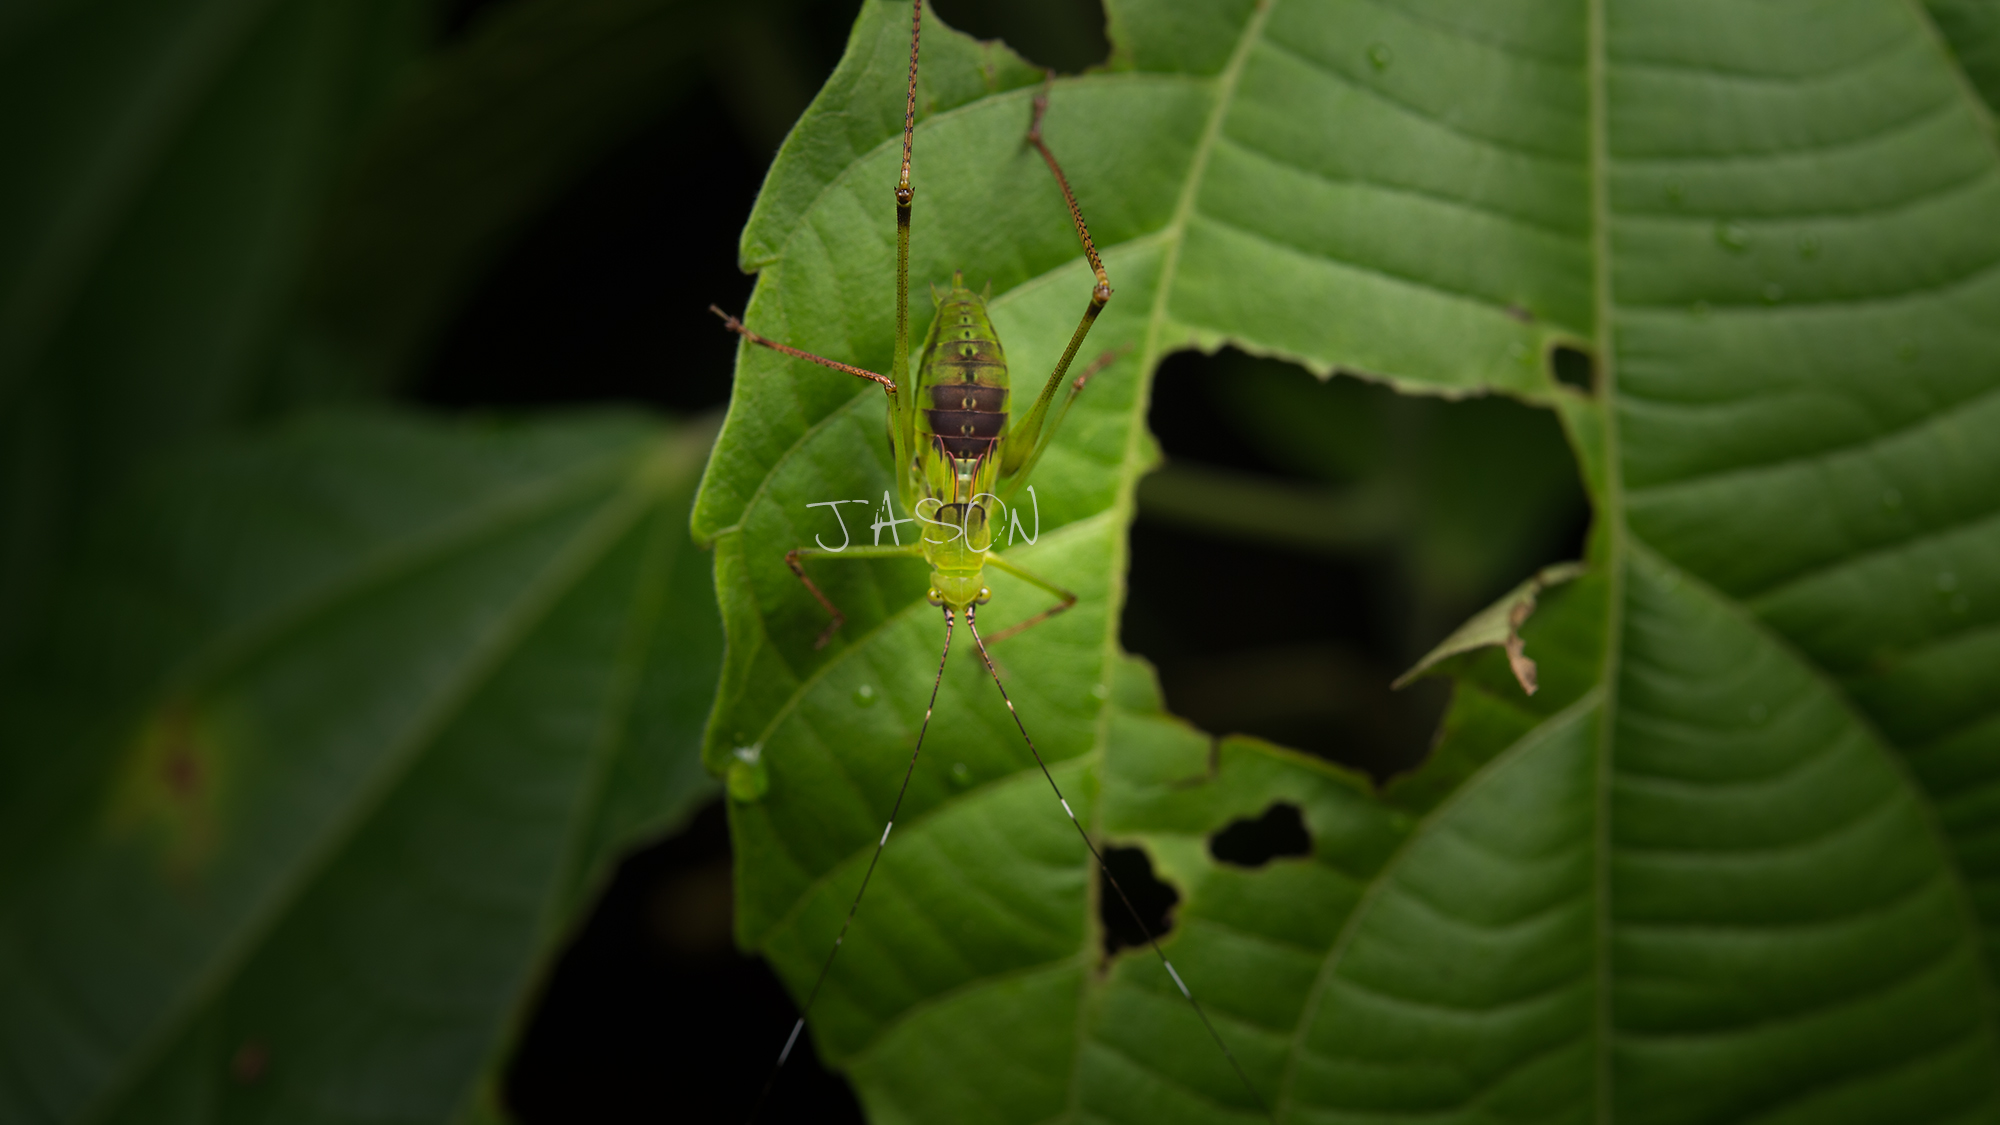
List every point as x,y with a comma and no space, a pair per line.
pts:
956,591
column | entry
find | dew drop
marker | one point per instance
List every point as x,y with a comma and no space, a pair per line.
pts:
1518,352
1809,246
1946,581
1380,56
748,778
1733,237
1892,498
1773,292
1101,691
865,696
961,774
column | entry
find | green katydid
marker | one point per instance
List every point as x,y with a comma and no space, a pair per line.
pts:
958,466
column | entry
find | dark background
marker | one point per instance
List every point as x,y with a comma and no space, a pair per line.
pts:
651,1014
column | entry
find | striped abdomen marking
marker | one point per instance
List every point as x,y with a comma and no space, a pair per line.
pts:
967,417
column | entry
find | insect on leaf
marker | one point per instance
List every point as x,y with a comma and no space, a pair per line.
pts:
1730,862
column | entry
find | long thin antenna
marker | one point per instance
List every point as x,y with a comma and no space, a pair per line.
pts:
806,1009
973,626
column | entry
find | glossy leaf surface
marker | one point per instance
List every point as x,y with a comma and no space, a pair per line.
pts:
343,725
1732,863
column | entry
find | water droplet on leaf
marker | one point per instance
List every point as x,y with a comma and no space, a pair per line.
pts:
1809,246
748,779
1380,56
961,774
865,696
1733,237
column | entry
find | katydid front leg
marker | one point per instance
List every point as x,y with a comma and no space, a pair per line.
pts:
793,557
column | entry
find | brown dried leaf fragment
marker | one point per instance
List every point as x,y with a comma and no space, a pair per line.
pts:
1500,624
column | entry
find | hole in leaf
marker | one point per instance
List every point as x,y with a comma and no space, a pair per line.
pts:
1572,367
1254,843
1153,900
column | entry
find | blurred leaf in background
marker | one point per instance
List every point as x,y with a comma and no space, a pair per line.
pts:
345,726
324,728
218,213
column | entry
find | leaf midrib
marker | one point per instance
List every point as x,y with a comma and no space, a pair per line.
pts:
1174,235
1613,476
1625,549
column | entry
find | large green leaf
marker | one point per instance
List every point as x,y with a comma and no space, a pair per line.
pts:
1734,861
339,728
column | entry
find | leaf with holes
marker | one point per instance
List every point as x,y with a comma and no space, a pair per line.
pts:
341,727
1731,862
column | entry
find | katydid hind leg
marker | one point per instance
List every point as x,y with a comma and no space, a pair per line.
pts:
903,412
1029,436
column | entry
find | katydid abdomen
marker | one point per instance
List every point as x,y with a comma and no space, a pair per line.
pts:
962,386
